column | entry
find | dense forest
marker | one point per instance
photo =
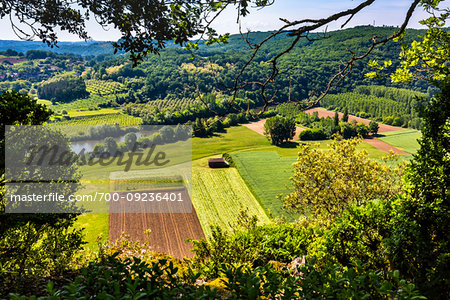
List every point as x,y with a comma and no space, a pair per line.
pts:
176,74
181,76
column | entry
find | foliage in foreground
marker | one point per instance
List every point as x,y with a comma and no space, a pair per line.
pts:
326,182
132,278
31,242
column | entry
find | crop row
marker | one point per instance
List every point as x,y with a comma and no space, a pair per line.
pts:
173,104
219,195
103,87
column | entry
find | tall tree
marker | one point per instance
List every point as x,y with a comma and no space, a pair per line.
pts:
30,241
345,116
373,127
279,129
336,119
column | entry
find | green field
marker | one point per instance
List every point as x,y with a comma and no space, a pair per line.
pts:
236,138
219,195
267,175
373,152
45,102
92,101
86,112
95,226
405,140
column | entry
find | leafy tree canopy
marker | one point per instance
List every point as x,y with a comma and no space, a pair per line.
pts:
145,26
279,129
327,182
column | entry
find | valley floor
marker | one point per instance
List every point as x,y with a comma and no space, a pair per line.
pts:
261,174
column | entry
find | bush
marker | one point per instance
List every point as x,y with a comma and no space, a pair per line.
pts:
133,278
348,131
314,134
362,130
373,127
360,233
388,120
252,246
144,142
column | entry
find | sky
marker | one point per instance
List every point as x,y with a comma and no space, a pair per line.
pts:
382,12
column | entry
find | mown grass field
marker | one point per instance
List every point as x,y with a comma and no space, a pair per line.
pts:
219,195
45,102
373,152
405,140
267,174
96,226
236,138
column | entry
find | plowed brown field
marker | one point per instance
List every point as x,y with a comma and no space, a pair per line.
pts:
169,229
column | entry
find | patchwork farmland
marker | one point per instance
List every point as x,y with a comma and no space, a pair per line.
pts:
261,174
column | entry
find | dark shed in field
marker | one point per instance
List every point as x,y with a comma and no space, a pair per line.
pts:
217,163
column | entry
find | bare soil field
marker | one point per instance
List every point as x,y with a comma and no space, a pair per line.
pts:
258,127
327,113
169,229
384,146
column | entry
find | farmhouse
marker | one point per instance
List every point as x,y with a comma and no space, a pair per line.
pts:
217,163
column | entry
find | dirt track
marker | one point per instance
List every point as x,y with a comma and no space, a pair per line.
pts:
326,113
169,229
259,128
384,146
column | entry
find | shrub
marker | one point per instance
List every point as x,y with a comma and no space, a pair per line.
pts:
362,130
314,134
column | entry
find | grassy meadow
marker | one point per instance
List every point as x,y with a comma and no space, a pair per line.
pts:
267,174
405,140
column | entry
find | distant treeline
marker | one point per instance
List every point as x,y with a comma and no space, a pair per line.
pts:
81,48
10,52
175,74
40,54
